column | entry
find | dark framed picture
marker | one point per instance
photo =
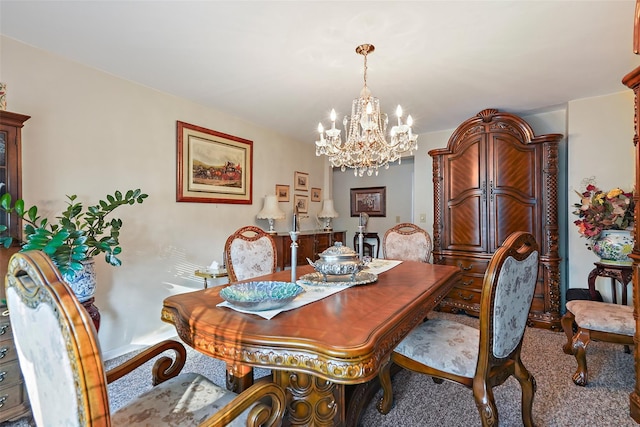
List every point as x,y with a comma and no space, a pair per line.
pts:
282,193
370,200
316,194
301,202
301,181
213,167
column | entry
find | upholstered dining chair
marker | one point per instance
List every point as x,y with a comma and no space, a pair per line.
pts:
479,358
250,252
62,365
407,242
595,321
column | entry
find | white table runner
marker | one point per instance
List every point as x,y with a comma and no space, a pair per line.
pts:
314,293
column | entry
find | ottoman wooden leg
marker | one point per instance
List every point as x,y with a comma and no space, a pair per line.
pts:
567,326
580,342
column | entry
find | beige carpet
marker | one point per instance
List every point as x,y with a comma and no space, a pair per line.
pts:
421,402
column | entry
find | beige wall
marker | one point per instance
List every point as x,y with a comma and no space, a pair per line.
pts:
91,133
600,146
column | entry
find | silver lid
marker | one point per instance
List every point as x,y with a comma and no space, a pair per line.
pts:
338,253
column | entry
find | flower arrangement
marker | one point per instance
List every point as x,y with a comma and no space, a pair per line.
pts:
599,210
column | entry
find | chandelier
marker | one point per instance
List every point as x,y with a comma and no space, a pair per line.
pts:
366,148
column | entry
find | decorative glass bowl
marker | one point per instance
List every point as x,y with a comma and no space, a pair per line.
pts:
260,296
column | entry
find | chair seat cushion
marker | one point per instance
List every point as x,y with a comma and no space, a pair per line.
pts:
444,345
603,316
185,400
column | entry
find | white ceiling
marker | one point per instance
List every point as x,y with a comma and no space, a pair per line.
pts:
285,64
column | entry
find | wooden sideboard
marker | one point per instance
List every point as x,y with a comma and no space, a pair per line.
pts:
310,244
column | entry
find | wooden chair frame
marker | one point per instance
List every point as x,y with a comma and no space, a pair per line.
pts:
248,233
490,371
37,281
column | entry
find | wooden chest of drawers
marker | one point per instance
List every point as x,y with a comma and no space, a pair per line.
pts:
14,403
465,296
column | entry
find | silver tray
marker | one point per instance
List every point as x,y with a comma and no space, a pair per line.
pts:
317,279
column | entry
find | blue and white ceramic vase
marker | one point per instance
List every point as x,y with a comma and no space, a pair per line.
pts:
614,247
83,284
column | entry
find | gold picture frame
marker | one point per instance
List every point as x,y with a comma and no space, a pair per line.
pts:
302,202
316,194
282,193
213,167
301,181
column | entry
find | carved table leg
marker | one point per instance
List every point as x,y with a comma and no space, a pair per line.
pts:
239,377
311,401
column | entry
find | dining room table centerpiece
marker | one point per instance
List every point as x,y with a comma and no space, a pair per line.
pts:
606,221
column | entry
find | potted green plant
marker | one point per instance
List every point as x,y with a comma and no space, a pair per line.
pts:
77,234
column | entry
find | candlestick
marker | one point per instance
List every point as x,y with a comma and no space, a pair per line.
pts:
361,241
294,255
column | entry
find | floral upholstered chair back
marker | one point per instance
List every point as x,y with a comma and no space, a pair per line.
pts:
250,252
407,242
59,359
506,299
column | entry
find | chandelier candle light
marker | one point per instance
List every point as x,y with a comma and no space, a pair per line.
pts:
271,211
366,148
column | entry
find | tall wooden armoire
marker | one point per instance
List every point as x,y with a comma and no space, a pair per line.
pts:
493,178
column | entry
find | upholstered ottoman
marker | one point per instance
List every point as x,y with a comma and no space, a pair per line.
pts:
598,321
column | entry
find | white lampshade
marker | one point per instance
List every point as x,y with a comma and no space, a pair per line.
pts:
327,209
327,213
271,211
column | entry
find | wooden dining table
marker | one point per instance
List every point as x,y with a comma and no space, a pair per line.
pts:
326,353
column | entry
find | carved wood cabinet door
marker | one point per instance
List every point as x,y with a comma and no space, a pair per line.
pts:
490,192
496,177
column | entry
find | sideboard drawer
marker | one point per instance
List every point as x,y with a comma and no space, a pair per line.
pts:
5,330
12,396
10,373
7,352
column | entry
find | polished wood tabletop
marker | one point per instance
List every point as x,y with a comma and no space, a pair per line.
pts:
325,353
342,338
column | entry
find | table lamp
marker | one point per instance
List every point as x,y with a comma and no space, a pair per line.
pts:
327,213
271,211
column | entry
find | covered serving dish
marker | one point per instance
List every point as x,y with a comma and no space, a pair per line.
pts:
338,260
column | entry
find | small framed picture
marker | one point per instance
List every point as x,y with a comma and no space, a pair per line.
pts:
282,193
301,181
316,194
301,202
370,200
